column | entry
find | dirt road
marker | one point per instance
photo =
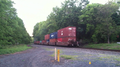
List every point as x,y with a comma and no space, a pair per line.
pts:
43,56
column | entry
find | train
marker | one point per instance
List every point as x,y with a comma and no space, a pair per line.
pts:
68,36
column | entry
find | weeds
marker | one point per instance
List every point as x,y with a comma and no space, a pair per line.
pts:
113,46
13,49
68,56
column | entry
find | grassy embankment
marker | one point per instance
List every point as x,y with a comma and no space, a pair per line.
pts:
113,46
12,49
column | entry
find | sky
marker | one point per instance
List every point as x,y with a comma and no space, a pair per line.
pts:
34,11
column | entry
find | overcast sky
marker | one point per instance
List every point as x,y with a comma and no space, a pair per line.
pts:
34,11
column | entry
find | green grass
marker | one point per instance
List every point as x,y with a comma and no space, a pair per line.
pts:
117,64
64,56
106,57
113,46
53,55
13,49
113,57
118,59
47,49
68,56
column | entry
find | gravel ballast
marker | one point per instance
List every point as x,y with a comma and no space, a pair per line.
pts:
43,56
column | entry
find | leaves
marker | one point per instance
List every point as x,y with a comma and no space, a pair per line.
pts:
94,22
99,21
62,17
12,30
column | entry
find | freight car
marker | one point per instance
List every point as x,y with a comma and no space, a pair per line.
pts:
68,36
36,42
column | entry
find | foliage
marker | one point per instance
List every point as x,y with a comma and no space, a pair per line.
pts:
113,46
97,23
69,57
12,49
62,17
12,30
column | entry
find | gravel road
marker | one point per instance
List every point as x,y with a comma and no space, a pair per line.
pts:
42,56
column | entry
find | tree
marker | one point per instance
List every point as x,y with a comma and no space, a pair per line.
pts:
89,17
12,29
105,13
98,19
62,17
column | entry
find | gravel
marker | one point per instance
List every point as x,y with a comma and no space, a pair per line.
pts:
40,56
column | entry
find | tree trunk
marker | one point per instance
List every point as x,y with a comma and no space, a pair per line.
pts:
108,39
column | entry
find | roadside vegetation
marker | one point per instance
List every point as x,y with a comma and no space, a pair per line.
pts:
12,29
13,48
113,46
69,56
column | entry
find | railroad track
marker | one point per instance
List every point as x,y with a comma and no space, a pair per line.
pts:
86,48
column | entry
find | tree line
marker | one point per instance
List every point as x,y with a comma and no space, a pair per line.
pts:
12,30
97,23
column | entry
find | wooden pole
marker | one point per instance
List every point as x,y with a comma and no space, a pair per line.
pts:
55,53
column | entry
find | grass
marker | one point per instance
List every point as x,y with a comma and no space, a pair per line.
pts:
47,49
118,59
103,56
106,57
13,49
53,55
117,64
65,56
68,56
99,59
113,46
